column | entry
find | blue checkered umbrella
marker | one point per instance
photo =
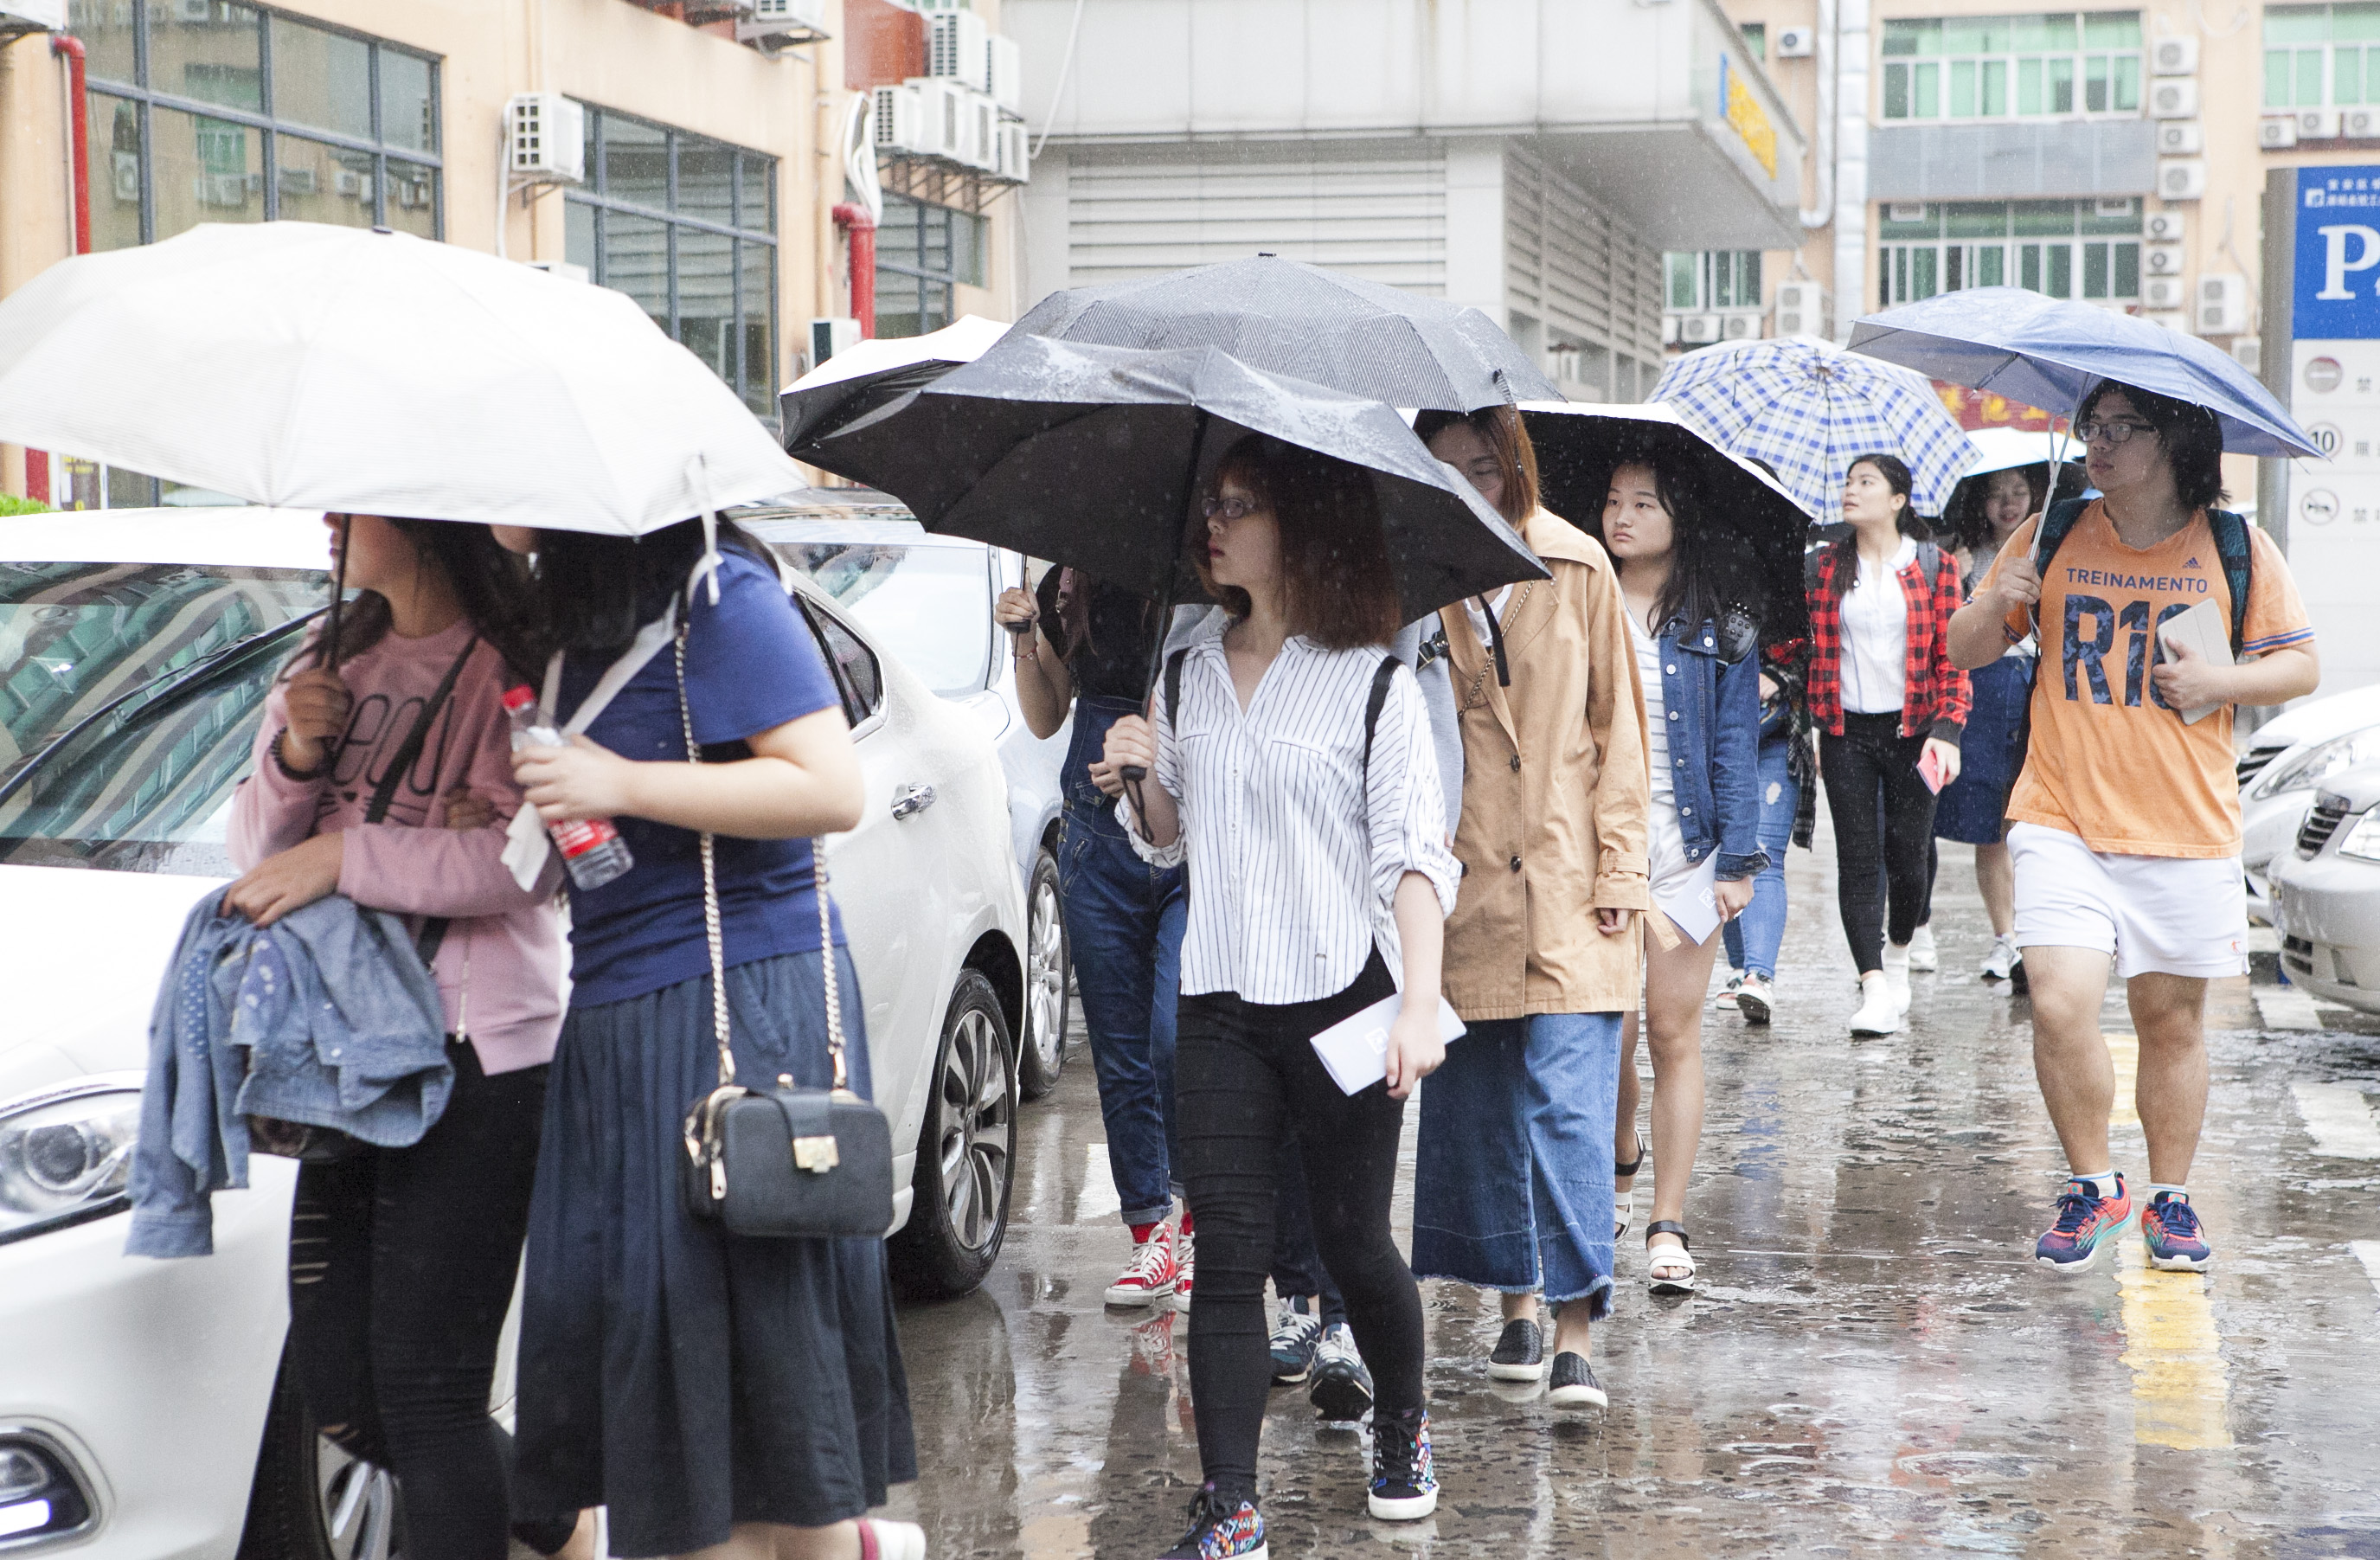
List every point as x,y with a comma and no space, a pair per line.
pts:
1809,411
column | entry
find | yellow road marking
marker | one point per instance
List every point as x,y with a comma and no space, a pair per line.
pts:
2124,1051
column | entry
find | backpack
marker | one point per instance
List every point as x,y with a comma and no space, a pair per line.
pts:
1385,675
2231,546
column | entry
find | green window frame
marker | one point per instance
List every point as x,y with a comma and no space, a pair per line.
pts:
1696,281
2085,250
2322,56
2053,65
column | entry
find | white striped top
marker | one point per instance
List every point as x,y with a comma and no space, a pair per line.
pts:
1294,862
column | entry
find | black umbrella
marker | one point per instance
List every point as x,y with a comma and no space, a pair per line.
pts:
1323,326
1578,444
1096,457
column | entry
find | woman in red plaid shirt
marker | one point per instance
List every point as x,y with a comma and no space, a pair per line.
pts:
1889,707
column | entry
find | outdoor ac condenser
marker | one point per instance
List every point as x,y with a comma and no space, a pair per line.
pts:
546,138
1802,309
2318,124
2222,306
2165,227
1015,151
1796,42
2173,99
2174,56
1739,327
2180,137
2276,132
2163,260
1699,330
899,120
785,22
1003,68
2359,124
941,109
956,50
2181,178
982,148
2164,292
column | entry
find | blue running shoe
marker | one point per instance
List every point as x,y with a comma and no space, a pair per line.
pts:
1221,1529
2176,1241
2085,1221
1405,1484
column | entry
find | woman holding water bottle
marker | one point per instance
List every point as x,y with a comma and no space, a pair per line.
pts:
709,1389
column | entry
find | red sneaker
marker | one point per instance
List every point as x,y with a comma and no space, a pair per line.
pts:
1186,1256
1151,1274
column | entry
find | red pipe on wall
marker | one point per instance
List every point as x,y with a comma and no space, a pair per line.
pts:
854,220
76,63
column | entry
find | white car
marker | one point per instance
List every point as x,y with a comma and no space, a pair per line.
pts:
2326,893
2286,761
136,649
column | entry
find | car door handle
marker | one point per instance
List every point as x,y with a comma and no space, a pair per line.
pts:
912,800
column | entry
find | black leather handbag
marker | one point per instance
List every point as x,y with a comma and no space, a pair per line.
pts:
787,1163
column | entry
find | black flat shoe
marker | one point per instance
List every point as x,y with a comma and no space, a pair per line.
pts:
1520,1354
1573,1384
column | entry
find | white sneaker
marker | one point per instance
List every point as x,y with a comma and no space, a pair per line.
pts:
1756,1000
1896,975
1734,984
2001,961
1923,956
1878,1013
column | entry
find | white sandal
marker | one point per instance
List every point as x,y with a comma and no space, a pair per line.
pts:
1662,1263
1624,1203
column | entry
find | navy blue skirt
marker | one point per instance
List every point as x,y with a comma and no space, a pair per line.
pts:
1973,808
688,1379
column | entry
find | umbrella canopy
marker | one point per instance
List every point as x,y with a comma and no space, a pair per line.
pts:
310,367
1578,444
2003,449
1810,409
2049,352
1321,326
1095,456
859,379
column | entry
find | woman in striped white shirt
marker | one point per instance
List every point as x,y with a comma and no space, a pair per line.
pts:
1295,772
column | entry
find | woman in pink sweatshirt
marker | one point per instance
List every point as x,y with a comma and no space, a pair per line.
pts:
401,1260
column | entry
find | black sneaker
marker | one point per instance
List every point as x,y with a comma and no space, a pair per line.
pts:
1520,1354
1221,1529
1294,1334
1405,1485
1572,1385
1341,1392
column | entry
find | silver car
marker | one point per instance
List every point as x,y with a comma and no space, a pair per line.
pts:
928,598
2326,893
2286,761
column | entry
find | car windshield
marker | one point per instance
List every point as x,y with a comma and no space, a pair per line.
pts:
931,606
185,655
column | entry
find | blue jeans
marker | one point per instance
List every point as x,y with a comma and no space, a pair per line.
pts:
1753,937
1123,928
1512,1185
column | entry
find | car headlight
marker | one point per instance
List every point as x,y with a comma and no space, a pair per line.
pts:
2317,763
2362,837
66,1159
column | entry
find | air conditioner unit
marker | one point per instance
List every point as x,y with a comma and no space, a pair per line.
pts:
32,16
2318,124
781,23
2223,305
351,183
300,182
194,12
2174,56
830,337
2359,124
2182,179
979,134
2163,260
229,190
409,186
899,120
1669,330
1004,67
1796,42
1699,330
943,118
955,48
2173,99
2165,227
2248,352
2276,132
1906,211
2164,292
1739,327
1015,151
547,139
2180,137
1802,309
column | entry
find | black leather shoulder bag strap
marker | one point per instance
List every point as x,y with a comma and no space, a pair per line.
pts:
433,932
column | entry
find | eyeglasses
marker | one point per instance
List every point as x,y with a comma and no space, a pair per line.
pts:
1227,509
2113,432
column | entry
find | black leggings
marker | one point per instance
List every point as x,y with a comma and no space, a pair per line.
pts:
401,1267
1880,806
1243,1074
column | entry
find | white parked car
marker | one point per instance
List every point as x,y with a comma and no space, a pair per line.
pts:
136,649
2326,893
927,599
2287,760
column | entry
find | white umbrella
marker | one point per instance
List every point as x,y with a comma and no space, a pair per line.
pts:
310,367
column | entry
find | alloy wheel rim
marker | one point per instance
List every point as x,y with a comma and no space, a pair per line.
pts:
1045,975
358,1504
978,1129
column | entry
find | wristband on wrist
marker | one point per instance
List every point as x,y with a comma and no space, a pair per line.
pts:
281,762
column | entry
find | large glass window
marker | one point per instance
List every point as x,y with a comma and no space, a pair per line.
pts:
2008,68
2322,56
687,227
1712,279
923,252
2088,250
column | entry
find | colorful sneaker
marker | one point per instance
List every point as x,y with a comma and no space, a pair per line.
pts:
1185,1256
1341,1392
1404,1486
1221,1530
2085,1223
1153,1274
2176,1241
1294,1333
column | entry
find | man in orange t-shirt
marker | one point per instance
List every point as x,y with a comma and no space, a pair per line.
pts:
2124,826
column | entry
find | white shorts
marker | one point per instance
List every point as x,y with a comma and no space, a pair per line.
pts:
2165,915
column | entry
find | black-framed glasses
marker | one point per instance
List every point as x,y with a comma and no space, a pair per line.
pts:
1229,510
2115,433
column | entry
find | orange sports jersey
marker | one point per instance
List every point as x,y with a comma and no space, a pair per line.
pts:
2109,760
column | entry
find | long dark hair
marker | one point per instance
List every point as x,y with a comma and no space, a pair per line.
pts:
1334,557
2192,435
1895,472
1963,521
1712,572
490,585
594,592
1506,434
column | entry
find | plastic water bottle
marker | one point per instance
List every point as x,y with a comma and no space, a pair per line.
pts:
591,848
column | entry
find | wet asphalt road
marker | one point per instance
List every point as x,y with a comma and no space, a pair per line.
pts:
1874,1365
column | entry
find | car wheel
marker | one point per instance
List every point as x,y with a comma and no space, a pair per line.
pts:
967,1152
312,1501
1043,1056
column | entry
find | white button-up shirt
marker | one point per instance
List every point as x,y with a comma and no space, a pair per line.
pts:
1294,853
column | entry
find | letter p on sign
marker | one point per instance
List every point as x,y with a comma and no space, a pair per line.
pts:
2335,263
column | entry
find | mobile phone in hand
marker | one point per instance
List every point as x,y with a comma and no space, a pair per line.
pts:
1929,769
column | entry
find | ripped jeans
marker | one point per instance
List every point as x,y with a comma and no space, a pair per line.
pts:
1753,937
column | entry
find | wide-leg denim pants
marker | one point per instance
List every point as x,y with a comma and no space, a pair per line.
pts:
1513,1184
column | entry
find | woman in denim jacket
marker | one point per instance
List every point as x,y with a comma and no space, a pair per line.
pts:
1690,613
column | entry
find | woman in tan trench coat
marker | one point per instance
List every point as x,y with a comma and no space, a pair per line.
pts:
1512,1190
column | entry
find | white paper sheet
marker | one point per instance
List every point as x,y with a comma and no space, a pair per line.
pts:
1691,900
1355,1049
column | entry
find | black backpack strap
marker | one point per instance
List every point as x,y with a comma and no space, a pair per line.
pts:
1383,676
2055,525
1173,684
2233,546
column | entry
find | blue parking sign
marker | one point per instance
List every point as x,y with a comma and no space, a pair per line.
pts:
2337,282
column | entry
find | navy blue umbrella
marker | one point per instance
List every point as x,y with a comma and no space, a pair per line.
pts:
2049,352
